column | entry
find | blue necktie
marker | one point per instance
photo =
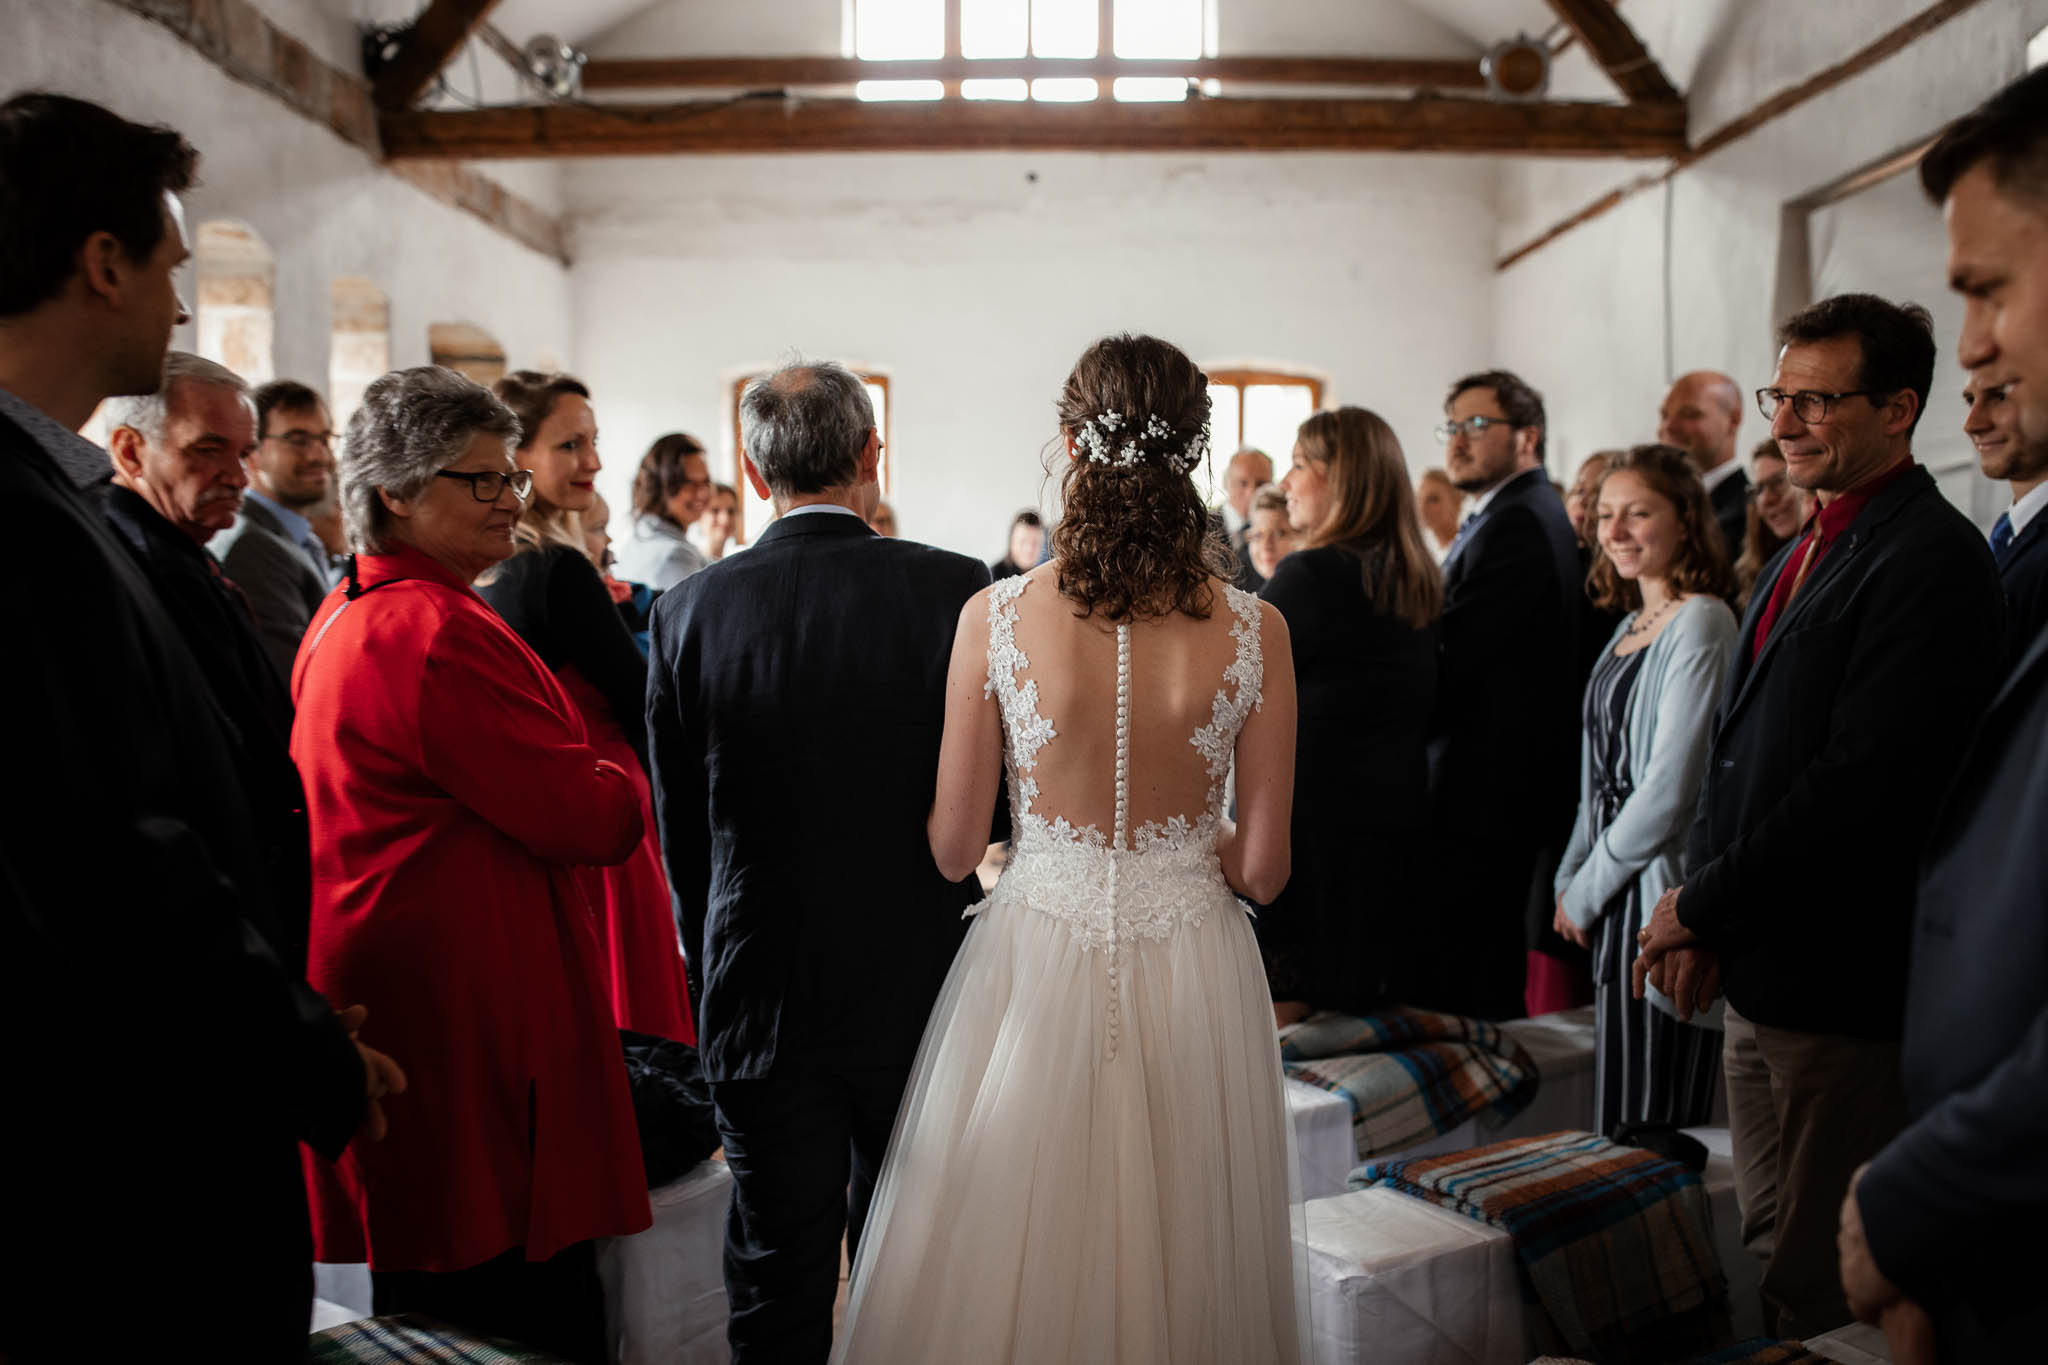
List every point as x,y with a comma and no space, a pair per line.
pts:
1458,540
2001,537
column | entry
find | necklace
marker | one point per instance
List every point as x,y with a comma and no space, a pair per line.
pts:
1644,624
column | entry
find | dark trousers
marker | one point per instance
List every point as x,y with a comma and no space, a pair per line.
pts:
804,1145
556,1305
1804,1111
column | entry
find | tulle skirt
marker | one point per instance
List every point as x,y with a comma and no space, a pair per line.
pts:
1073,1183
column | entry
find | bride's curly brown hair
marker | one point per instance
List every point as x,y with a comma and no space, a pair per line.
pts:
1137,542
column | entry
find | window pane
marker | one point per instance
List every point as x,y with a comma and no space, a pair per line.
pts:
889,29
1223,440
1150,89
1064,89
1272,413
879,396
994,90
1158,28
899,90
994,28
1063,28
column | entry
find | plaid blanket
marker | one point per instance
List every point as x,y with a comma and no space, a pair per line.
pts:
1410,1074
1615,1243
413,1337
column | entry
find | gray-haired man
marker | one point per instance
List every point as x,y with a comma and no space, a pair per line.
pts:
795,701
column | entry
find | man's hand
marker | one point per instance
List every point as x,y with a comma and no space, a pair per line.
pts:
381,1075
1662,935
1568,931
1690,979
1868,1291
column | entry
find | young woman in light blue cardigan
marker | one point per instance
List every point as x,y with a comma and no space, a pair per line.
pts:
1649,712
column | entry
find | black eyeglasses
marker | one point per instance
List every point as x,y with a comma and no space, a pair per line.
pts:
1471,426
486,485
1807,405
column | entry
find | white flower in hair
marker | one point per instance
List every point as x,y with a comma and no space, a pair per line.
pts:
1095,433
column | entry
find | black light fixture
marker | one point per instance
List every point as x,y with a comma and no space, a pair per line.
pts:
1517,68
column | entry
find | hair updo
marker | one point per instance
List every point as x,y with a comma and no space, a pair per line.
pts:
1136,541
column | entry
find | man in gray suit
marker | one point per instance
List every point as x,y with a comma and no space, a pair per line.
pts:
271,552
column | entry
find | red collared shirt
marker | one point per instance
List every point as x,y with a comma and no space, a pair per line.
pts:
1823,529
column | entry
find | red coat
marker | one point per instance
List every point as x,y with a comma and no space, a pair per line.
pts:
636,918
451,796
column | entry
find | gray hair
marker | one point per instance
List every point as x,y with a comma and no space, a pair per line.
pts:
411,425
804,425
149,413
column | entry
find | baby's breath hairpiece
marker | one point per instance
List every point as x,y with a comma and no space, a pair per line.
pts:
1098,434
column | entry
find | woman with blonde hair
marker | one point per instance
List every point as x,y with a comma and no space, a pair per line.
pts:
555,597
1092,1161
1361,598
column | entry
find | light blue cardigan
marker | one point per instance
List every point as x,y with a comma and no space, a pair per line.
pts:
1670,718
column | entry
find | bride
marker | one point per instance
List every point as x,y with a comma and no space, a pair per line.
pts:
1093,1159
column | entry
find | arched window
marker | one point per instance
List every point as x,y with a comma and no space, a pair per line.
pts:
359,347
467,350
237,287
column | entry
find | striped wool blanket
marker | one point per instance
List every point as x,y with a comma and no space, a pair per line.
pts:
413,1337
1615,1243
1410,1074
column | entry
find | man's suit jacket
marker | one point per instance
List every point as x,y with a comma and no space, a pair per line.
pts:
216,626
2024,578
1940,1205
1831,749
282,585
1730,502
1505,756
795,701
133,989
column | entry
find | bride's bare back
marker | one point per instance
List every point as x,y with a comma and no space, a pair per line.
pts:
1196,693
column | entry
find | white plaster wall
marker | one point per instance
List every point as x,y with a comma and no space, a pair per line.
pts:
976,281
322,206
1585,317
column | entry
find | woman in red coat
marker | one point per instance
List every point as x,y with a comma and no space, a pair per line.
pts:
453,798
553,595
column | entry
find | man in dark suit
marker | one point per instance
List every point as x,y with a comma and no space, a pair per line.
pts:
1505,756
1869,648
271,550
795,702
2019,538
1249,470
178,459
1936,1237
1700,416
164,1065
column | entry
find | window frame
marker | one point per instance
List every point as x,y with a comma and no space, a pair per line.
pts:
1242,379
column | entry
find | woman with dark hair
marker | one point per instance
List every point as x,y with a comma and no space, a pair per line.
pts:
555,597
671,489
1649,711
1090,1160
1777,509
1361,600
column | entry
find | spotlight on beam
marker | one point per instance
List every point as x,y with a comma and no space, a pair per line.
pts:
1517,69
554,65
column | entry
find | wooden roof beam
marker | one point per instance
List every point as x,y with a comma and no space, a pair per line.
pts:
774,73
1552,128
1619,51
430,44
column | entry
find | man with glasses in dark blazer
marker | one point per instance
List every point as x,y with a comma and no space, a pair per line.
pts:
1868,651
795,702
1504,758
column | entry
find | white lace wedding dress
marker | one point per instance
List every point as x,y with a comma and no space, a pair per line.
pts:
1093,1161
